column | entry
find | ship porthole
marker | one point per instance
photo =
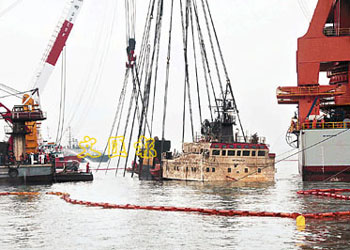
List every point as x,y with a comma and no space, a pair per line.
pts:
13,173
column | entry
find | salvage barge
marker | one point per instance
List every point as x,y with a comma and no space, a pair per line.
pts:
21,161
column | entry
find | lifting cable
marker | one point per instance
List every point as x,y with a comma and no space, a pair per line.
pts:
228,82
185,25
167,75
119,108
205,61
61,115
212,49
133,96
195,64
9,8
132,125
137,80
145,99
156,50
101,66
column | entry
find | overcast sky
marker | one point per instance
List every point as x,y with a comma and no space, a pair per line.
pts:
259,40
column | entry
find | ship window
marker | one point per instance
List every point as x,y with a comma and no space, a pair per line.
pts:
262,147
223,152
253,146
223,146
208,170
253,153
239,146
246,152
229,170
246,146
213,169
239,153
259,170
246,170
231,146
216,152
231,153
261,153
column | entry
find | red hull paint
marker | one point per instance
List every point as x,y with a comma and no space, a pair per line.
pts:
326,173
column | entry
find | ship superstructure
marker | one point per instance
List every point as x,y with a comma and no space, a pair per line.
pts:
321,125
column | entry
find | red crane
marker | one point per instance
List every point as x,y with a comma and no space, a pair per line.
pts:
324,48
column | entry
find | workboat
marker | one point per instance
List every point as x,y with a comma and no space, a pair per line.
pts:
320,128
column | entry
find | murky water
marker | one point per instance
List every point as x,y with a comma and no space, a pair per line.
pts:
47,222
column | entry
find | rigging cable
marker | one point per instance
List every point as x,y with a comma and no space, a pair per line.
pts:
62,99
205,57
195,64
9,8
120,104
103,59
167,75
157,48
185,25
212,49
228,81
148,82
133,96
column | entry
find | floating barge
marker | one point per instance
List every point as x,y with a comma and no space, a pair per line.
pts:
40,174
22,160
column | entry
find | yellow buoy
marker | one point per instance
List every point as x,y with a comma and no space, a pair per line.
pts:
300,221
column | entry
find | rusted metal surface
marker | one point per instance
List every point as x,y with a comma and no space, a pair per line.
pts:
198,163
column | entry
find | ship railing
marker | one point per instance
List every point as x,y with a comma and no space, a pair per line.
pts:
8,129
326,125
330,31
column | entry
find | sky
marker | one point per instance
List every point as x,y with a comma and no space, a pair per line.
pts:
258,38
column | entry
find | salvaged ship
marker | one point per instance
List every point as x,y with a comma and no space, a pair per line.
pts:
222,151
320,128
219,155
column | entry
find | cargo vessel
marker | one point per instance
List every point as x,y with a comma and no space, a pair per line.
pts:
320,128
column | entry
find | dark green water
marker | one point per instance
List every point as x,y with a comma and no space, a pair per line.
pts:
47,222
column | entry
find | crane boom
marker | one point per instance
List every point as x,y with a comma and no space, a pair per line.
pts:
57,43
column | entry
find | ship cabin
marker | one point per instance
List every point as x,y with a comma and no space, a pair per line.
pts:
240,150
214,161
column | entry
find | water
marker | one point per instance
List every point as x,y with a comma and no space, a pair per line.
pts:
47,222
